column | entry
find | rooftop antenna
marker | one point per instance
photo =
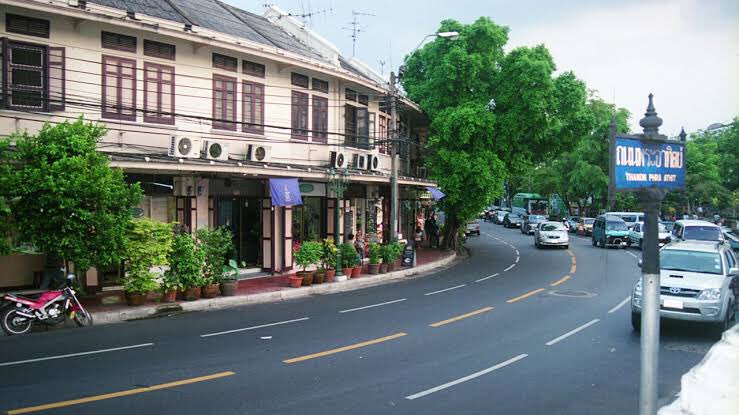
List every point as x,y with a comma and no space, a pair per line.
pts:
382,67
356,28
306,17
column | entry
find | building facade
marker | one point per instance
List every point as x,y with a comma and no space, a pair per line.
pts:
204,103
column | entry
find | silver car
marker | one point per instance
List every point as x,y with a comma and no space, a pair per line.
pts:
696,279
551,234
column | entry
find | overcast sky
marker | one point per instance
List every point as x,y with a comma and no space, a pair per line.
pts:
686,52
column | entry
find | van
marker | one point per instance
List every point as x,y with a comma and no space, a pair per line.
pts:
696,230
610,231
631,218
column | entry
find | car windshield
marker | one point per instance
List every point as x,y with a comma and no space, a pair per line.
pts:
535,218
616,226
552,227
629,218
588,221
691,261
731,236
668,225
702,233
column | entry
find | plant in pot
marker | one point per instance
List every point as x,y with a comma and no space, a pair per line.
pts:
328,259
148,244
169,286
308,254
186,264
390,253
230,281
375,256
216,244
348,258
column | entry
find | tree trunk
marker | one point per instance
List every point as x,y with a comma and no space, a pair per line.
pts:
450,234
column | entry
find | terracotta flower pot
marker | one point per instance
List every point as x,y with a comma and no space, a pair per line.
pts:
135,299
228,288
318,277
169,296
347,272
192,293
374,269
307,277
390,266
383,268
295,281
356,271
330,275
210,291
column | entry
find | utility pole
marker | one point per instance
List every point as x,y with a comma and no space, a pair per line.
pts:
394,158
611,165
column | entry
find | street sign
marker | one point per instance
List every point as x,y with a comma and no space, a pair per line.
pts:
644,163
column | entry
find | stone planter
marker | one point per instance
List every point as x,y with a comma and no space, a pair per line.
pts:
135,299
307,277
374,269
228,288
330,275
347,272
210,291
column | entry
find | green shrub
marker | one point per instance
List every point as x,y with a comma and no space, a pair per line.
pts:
148,245
216,244
375,253
186,262
391,252
308,254
231,271
329,254
349,256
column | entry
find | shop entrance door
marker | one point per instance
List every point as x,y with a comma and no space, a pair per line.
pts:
243,217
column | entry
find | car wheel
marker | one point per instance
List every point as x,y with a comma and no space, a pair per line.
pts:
628,244
724,325
593,240
636,321
566,247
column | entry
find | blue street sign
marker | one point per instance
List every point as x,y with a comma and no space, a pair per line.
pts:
643,163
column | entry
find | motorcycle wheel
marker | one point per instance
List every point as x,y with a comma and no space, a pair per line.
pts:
13,324
83,318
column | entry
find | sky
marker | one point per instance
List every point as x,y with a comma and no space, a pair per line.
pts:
685,52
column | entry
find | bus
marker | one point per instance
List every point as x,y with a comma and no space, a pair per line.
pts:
530,204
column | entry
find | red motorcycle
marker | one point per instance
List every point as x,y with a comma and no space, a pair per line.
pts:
50,308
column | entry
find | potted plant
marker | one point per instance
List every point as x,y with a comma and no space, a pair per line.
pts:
390,253
215,244
348,258
148,245
186,263
328,259
169,286
230,282
308,254
375,255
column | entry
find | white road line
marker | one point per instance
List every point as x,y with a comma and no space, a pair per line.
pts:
509,268
466,378
517,258
632,254
253,328
63,356
371,306
446,289
517,253
619,305
488,277
570,333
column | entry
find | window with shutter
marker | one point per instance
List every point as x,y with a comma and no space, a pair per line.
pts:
119,88
300,115
57,79
382,136
372,117
26,72
227,63
253,68
320,85
299,80
25,25
320,119
363,99
350,95
362,128
350,125
224,103
253,107
158,94
159,50
118,41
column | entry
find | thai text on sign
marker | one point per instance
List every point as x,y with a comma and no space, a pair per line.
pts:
641,164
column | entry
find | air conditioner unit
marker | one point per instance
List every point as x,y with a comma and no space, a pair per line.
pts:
255,152
360,161
374,163
216,150
338,160
184,147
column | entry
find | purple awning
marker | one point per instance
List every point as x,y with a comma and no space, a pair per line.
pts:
285,192
436,193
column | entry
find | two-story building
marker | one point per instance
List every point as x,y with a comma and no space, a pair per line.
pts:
204,103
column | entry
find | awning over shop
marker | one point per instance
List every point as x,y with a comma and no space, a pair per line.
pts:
285,192
436,193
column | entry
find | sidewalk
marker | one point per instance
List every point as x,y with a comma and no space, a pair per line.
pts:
270,289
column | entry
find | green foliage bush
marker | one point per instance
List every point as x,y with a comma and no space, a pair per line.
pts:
308,254
349,256
186,263
375,253
391,252
149,244
329,254
216,244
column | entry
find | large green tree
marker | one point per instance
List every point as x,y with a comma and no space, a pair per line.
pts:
66,200
492,113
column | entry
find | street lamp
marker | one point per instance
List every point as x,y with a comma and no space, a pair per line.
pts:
338,180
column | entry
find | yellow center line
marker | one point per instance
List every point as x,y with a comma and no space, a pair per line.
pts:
463,316
560,281
528,294
345,348
118,394
573,269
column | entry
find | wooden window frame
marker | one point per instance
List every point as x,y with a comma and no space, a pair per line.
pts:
350,95
8,66
248,68
220,121
229,63
60,64
28,21
363,99
299,110
109,60
156,115
159,46
298,79
256,95
319,85
320,119
118,46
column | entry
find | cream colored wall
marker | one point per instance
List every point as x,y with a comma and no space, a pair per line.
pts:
17,270
193,94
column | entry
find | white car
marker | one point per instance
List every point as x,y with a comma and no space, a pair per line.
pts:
636,235
473,227
551,234
696,230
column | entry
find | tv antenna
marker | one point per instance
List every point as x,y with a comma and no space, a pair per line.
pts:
306,16
382,67
356,28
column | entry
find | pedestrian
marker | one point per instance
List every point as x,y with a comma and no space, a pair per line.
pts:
418,237
434,232
427,229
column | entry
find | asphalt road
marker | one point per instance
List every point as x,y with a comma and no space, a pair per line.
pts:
511,329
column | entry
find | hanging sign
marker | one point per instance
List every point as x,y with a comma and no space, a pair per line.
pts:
641,164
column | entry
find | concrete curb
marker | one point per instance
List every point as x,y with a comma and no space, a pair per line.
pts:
109,317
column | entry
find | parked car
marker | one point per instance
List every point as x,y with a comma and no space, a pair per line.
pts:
511,220
731,238
499,216
630,218
473,227
551,234
696,230
610,231
585,226
528,225
636,235
668,224
572,222
696,284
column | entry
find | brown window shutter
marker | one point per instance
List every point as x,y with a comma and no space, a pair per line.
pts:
299,80
159,50
228,63
27,25
57,78
118,41
253,68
